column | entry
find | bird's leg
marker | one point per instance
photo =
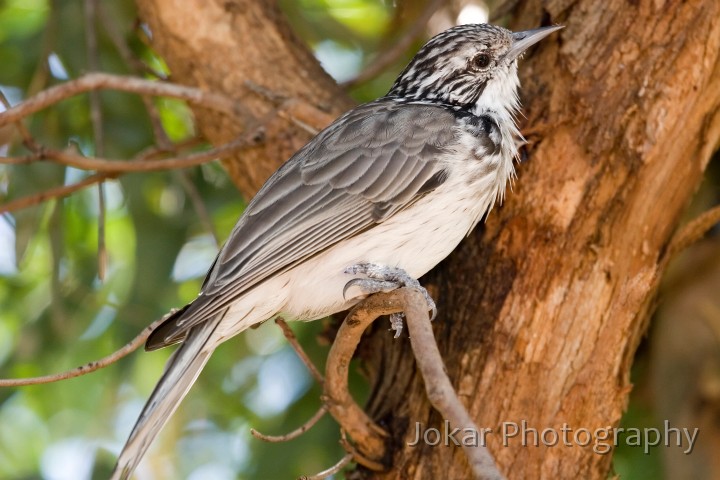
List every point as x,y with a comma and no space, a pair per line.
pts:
381,278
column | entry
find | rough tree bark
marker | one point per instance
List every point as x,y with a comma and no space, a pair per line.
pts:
540,311
244,48
543,311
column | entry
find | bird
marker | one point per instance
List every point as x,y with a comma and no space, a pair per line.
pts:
371,203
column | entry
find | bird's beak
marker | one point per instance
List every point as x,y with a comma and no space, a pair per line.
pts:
523,40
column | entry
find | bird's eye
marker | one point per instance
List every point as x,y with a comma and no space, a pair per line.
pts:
481,61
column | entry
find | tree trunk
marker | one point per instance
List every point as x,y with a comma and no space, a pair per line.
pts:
542,309
243,48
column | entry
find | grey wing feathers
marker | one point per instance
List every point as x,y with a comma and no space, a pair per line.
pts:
374,161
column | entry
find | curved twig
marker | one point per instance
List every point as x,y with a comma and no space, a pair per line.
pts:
57,192
295,433
292,340
367,435
88,367
691,233
100,81
357,456
330,471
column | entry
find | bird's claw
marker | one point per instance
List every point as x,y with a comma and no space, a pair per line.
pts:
381,278
369,286
396,323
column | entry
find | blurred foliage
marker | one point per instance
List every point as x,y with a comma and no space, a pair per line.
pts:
55,313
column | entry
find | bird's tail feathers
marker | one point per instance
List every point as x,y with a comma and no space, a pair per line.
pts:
181,371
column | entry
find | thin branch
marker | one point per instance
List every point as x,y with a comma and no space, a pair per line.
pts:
140,68
390,56
197,203
161,137
155,151
439,389
88,367
292,340
100,81
66,190
295,433
24,132
96,119
112,168
691,233
102,257
357,456
116,38
59,192
41,73
116,166
330,471
17,160
367,435
275,98
300,113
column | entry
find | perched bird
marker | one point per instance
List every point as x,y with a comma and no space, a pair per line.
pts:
373,202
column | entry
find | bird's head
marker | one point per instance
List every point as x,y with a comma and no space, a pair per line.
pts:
469,66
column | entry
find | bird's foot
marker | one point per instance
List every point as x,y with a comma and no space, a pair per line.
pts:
381,278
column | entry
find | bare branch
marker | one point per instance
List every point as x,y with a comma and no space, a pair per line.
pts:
65,190
357,456
96,118
300,113
161,137
330,471
292,340
439,390
116,166
295,433
155,151
18,160
100,81
367,435
24,132
692,232
197,203
140,68
118,41
59,192
88,367
41,73
102,257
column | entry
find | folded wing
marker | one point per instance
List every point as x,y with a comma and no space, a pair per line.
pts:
371,163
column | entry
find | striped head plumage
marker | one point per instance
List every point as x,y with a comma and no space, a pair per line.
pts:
473,67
